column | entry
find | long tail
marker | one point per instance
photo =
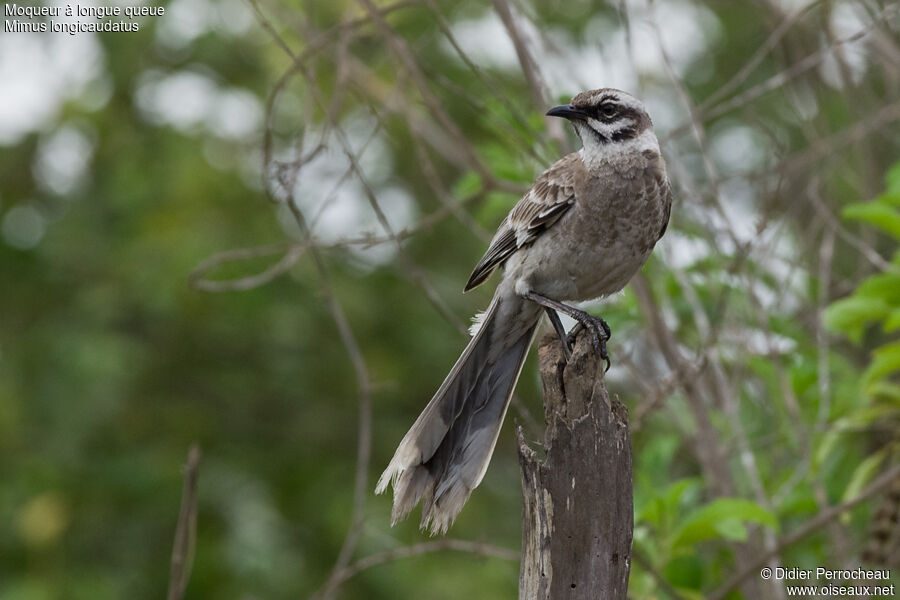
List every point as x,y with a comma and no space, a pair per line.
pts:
446,452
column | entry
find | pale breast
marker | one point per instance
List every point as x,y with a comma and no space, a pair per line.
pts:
620,212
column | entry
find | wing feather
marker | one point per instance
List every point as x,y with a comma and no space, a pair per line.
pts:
542,205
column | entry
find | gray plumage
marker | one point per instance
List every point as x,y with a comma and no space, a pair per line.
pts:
581,232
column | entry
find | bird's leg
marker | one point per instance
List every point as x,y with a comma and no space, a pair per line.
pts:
596,325
560,331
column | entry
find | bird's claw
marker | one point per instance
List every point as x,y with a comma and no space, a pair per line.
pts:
600,331
600,334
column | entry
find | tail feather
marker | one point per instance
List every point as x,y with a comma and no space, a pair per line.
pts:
410,486
429,429
445,454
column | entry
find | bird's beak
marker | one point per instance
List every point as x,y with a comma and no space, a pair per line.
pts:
567,111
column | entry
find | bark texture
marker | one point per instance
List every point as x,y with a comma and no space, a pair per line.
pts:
578,515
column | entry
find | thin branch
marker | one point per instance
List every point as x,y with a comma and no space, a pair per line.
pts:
364,422
407,58
387,556
292,253
831,221
708,448
364,431
415,273
186,529
531,72
780,79
267,25
771,42
465,92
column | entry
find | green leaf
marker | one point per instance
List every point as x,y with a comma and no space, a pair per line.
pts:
879,214
892,179
798,503
854,422
467,185
716,520
685,572
863,474
892,322
885,286
494,208
849,316
506,164
732,529
885,362
828,444
667,502
887,392
691,594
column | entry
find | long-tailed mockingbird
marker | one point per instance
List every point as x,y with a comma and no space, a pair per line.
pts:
581,232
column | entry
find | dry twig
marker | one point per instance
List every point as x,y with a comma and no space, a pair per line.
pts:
186,529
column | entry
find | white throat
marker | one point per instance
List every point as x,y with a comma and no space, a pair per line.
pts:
594,153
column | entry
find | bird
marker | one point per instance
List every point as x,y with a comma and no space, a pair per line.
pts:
580,232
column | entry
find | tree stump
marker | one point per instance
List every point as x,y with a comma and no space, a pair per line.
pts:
578,515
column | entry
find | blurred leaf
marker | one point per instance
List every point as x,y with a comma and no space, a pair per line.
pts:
892,322
691,594
43,519
829,442
887,392
467,185
884,286
506,163
851,315
886,360
893,180
858,421
685,572
717,519
732,529
666,503
863,474
875,213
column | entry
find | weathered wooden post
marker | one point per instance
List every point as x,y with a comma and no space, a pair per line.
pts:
578,515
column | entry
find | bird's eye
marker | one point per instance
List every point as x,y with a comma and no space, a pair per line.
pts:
608,110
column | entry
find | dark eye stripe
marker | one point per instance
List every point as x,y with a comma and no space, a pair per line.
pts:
628,133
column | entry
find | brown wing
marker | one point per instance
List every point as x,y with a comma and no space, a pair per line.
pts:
657,169
551,195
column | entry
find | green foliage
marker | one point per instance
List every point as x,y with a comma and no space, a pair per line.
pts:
722,518
851,316
876,301
877,298
672,526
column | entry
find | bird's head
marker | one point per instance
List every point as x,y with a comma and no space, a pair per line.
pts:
606,119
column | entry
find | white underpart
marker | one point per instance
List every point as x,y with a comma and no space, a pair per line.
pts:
522,288
594,152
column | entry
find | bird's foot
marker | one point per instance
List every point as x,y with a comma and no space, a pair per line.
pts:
599,329
600,334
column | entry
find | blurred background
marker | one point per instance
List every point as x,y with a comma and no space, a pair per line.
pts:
248,225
